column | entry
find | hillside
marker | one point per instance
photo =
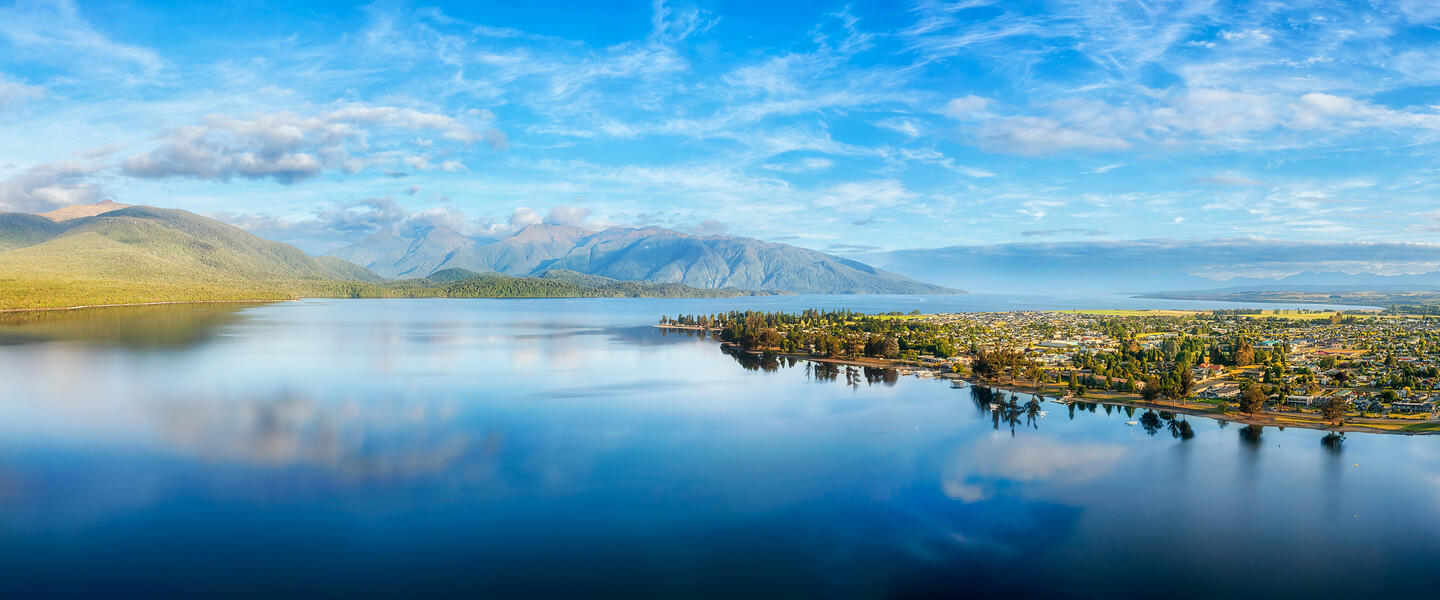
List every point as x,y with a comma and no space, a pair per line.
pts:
648,254
144,254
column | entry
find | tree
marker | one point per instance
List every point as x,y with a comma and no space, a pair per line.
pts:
1034,373
1334,409
890,347
1244,354
1252,399
1151,391
1185,384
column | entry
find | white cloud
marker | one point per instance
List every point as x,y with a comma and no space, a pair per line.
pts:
1215,112
287,147
14,92
908,127
1034,136
863,195
47,186
966,107
574,216
800,166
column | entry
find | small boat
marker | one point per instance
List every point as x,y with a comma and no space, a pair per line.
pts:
1132,422
1042,414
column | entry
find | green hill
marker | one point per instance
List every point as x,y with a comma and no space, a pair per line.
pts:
145,254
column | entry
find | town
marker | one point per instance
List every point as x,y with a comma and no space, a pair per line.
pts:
1322,369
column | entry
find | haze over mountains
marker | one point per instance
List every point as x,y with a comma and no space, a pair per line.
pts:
649,254
1107,267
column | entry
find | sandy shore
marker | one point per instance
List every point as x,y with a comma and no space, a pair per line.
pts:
82,307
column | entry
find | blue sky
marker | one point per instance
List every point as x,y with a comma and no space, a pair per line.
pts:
847,127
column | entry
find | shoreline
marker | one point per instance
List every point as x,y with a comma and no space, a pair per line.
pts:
1194,409
124,304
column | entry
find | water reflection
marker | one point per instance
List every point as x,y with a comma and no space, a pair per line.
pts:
487,449
175,326
817,370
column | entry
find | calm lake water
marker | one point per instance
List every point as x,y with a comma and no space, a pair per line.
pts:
566,448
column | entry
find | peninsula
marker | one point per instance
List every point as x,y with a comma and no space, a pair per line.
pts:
1312,369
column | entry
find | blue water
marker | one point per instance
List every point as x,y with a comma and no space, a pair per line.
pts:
564,448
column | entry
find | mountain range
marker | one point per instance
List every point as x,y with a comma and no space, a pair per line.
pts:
649,254
111,253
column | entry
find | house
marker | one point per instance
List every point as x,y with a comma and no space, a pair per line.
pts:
1412,407
1299,400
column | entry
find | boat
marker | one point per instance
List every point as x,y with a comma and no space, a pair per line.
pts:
1132,422
1042,414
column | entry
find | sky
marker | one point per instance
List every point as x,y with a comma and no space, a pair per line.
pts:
845,127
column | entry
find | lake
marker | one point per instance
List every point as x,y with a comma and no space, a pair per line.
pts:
567,448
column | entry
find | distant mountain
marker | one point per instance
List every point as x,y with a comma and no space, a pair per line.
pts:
647,254
76,211
144,254
462,283
1107,267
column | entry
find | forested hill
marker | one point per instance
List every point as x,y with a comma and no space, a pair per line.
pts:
459,283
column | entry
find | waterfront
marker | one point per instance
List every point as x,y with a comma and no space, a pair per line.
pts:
568,447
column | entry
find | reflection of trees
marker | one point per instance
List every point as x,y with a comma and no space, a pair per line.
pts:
171,326
982,397
1150,421
749,361
1007,411
1179,428
1250,435
823,371
874,375
815,370
1333,442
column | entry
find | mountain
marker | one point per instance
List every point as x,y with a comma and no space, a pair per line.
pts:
426,251
145,254
76,211
1108,267
649,254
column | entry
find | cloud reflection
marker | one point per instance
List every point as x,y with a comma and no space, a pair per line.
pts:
1037,459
